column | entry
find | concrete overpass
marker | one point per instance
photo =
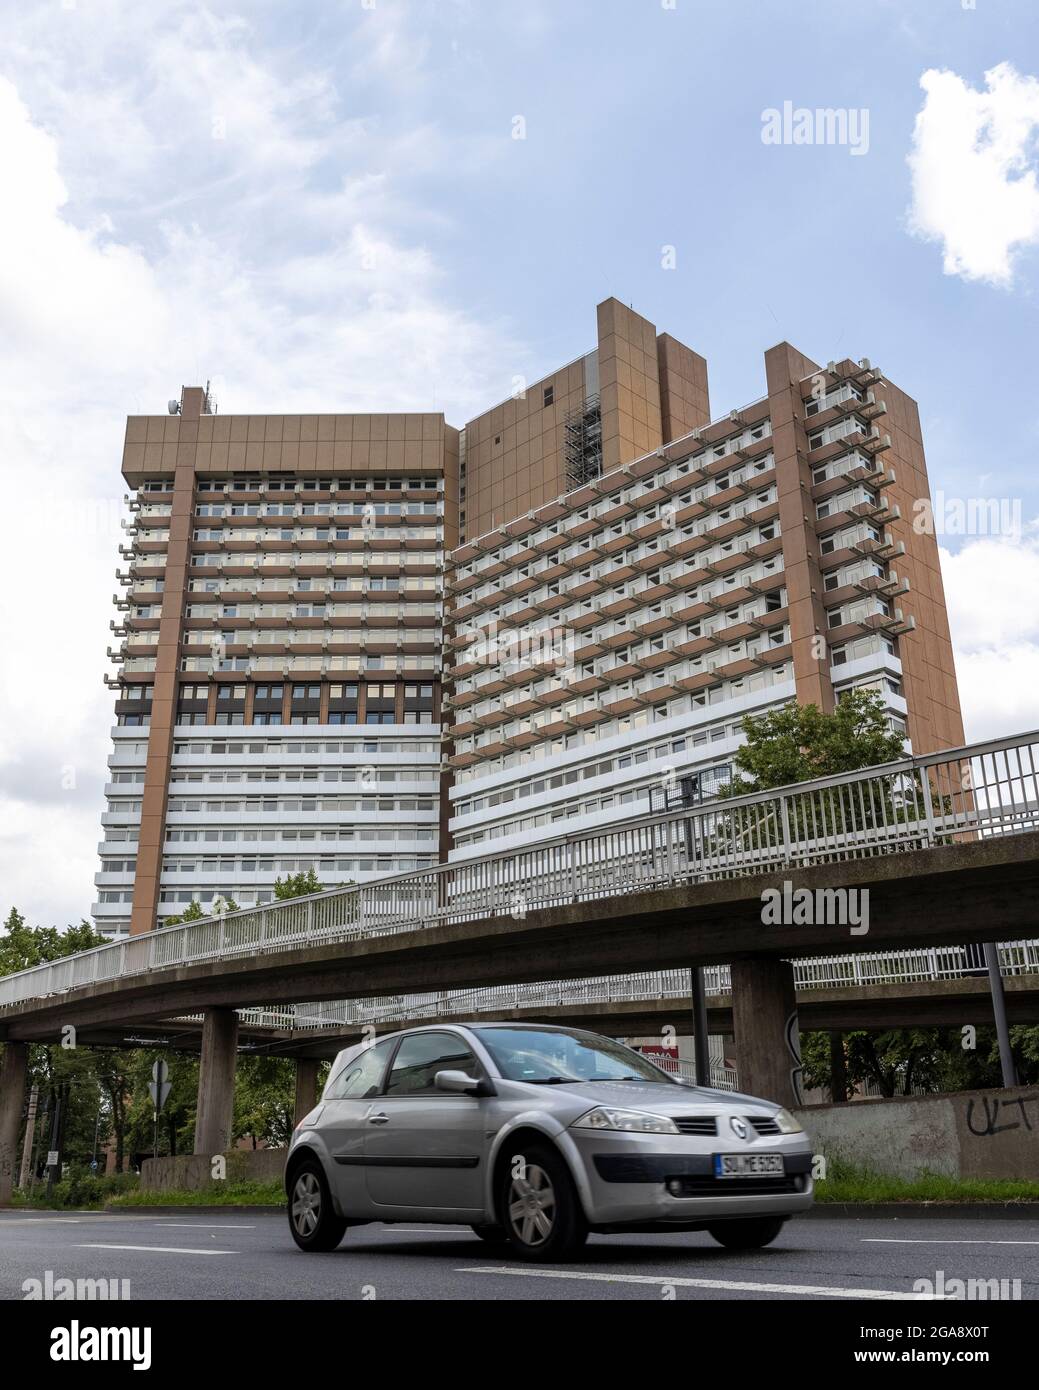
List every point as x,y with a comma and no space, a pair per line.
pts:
941,850
951,994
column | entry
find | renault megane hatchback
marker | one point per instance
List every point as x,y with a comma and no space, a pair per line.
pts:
536,1135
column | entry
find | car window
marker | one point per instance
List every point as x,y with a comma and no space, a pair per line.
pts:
564,1054
421,1056
363,1075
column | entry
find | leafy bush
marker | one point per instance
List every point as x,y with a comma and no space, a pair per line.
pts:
82,1189
217,1194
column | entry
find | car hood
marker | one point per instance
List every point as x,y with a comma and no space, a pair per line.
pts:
662,1098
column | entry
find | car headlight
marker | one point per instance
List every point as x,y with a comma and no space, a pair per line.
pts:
786,1122
634,1121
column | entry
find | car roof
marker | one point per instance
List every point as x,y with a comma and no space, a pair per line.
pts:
454,1025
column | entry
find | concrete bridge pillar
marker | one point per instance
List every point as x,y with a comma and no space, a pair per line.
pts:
306,1087
216,1070
13,1071
764,1015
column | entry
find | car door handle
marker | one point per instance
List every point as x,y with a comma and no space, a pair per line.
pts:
379,1118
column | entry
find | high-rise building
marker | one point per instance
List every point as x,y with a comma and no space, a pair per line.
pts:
607,640
279,667
627,578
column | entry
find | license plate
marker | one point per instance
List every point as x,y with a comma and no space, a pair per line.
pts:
748,1165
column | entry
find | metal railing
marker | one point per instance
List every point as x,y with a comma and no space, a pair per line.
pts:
975,792
823,972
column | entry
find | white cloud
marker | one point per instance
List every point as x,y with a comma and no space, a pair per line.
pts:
284,263
990,587
973,174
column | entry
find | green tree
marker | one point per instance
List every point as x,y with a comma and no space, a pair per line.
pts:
115,1076
264,1100
195,912
297,885
22,946
177,1122
797,743
929,1060
66,1074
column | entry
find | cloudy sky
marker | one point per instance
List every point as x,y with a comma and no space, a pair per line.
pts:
325,206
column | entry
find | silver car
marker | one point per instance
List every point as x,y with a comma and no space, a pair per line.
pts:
536,1135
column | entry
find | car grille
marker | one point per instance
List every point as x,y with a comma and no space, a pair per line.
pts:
735,1187
764,1124
696,1124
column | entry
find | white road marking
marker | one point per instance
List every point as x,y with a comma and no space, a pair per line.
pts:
202,1226
735,1285
428,1231
158,1249
41,1221
903,1240
71,1220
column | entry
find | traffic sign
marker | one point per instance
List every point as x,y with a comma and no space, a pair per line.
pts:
158,1087
159,1094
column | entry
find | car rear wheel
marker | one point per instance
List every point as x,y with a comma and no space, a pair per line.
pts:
312,1218
541,1211
749,1234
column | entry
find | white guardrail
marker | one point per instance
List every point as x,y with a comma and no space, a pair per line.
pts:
955,796
822,972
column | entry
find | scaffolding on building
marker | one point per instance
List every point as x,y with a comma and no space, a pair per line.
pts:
582,443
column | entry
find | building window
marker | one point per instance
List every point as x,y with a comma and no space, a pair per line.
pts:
549,395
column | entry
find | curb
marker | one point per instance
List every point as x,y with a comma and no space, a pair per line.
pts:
940,1211
205,1211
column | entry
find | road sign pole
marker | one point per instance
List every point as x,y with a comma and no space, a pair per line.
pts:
702,1056
159,1090
53,1153
999,1010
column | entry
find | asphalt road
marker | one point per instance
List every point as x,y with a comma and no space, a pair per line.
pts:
228,1256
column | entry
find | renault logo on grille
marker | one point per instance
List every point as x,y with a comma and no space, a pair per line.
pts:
739,1127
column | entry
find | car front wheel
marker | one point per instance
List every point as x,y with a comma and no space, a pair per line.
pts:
541,1211
749,1234
312,1218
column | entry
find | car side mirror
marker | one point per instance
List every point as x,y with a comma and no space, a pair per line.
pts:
459,1084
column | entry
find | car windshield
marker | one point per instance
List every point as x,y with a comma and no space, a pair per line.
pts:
558,1055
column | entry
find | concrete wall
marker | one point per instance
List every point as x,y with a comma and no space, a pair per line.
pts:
966,1134
191,1172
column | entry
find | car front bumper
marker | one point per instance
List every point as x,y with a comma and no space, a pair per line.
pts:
631,1179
